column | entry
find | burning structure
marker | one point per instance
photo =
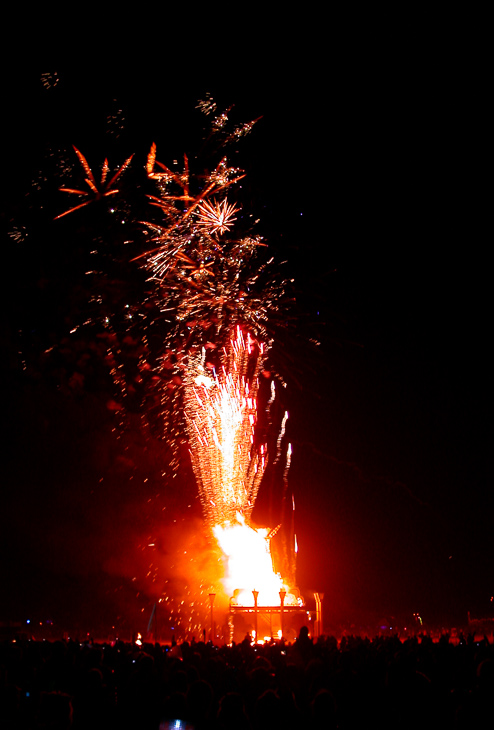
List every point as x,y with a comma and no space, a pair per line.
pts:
218,306
221,413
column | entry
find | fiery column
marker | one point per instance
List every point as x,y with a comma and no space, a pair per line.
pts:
221,413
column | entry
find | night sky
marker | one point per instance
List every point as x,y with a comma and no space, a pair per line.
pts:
367,172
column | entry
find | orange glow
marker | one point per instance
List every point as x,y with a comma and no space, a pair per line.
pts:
249,564
221,415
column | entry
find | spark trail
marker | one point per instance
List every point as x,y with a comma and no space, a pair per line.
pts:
221,416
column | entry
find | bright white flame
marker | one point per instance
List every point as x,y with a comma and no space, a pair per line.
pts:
216,217
204,380
221,417
249,565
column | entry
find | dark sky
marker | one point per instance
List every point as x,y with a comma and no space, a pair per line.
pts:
368,169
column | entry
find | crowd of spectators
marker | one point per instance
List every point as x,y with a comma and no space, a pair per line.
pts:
351,683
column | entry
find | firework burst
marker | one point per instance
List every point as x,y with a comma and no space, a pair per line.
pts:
216,217
102,190
210,282
210,295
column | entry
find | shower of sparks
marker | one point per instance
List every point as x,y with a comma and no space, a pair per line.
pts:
221,120
207,105
216,217
207,293
49,80
103,190
221,414
177,209
210,282
215,286
18,233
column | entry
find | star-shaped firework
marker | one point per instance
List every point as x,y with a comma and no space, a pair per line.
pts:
216,217
105,186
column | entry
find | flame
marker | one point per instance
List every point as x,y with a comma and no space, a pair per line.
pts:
221,415
249,564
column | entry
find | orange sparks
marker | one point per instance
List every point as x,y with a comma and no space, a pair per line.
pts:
221,416
104,189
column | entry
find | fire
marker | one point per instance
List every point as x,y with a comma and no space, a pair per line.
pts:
249,564
221,415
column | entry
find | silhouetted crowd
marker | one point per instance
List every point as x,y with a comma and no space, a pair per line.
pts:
353,683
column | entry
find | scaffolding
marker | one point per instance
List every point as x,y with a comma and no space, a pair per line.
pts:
274,622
